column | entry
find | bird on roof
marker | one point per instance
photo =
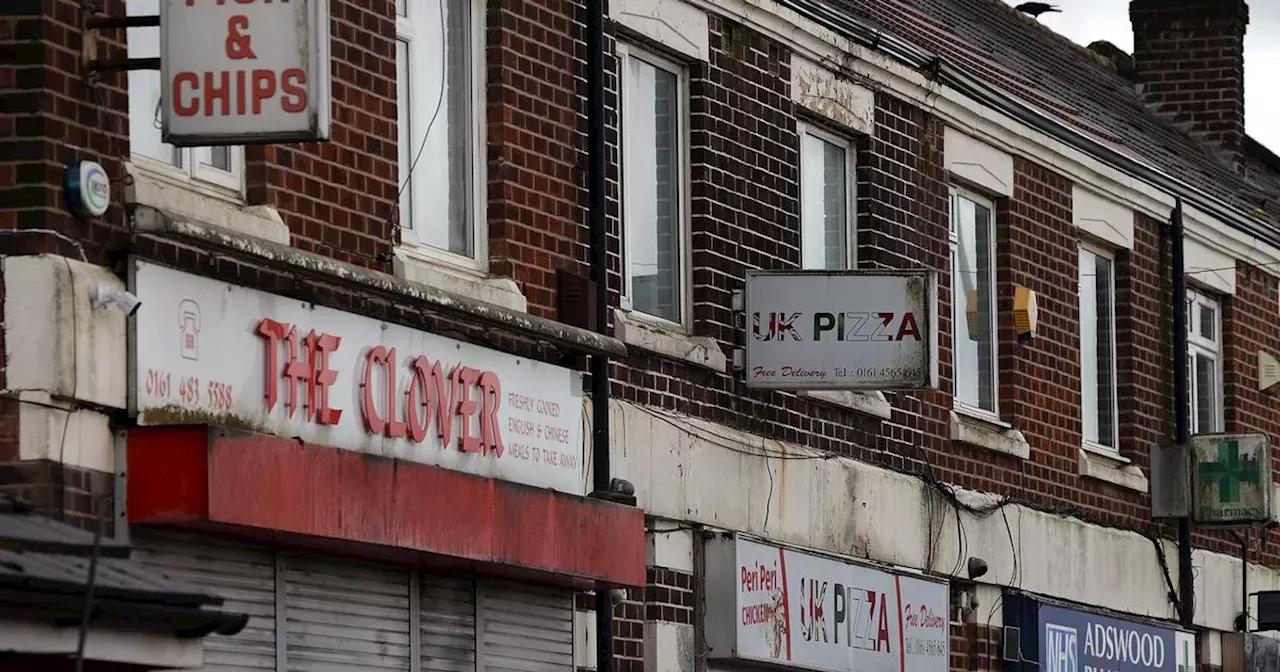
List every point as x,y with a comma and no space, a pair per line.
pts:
1035,9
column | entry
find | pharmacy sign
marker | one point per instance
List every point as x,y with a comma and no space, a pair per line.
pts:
1231,479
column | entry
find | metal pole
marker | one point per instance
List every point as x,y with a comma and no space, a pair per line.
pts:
1244,582
596,168
1182,405
86,615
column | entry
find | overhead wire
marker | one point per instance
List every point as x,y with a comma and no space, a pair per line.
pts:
394,218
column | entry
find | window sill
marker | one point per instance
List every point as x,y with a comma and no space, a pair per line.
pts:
1105,465
192,202
699,350
417,266
985,432
870,402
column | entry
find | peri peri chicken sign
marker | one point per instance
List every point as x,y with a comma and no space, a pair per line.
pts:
788,607
244,71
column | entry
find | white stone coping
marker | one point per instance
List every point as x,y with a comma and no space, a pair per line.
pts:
1104,464
990,433
633,330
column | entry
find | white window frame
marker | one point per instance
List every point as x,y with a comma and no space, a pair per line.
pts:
850,191
1099,445
477,262
957,312
624,53
1209,348
197,171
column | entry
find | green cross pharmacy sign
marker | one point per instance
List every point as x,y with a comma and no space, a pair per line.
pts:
1231,479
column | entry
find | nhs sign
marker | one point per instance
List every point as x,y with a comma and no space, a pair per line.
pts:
1060,648
1058,638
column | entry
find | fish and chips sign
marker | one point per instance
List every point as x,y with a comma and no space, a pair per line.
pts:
244,71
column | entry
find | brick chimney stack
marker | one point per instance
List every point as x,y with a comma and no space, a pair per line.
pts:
1189,61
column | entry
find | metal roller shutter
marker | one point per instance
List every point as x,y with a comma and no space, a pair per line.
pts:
242,575
526,629
447,624
345,616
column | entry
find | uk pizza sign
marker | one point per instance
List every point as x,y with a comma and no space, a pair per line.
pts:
841,330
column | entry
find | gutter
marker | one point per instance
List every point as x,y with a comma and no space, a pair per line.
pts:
152,223
65,611
938,69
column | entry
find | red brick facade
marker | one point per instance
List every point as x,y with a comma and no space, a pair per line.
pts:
338,198
1189,57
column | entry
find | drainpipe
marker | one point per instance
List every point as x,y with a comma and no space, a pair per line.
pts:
1181,406
600,277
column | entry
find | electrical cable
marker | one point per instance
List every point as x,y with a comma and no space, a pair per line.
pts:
763,452
90,584
394,219
75,392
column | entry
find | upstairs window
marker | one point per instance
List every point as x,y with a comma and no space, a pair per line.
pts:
973,301
826,212
653,185
1204,339
436,102
219,167
1099,406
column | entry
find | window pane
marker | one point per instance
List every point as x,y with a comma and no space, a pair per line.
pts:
973,303
1208,322
404,130
1097,350
1205,386
144,90
1106,357
652,177
220,158
437,155
823,217
1089,402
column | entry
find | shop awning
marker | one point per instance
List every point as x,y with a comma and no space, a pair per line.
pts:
44,579
341,501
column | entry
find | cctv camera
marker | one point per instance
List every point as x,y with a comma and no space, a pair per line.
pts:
104,295
617,595
976,567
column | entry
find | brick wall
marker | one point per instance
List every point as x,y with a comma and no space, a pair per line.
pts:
337,200
1189,57
537,144
337,197
903,223
49,117
628,628
976,647
668,596
745,216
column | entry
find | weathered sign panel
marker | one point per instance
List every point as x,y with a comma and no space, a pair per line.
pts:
841,330
1231,479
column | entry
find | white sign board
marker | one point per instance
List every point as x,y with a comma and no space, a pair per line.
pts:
771,604
244,72
841,330
207,352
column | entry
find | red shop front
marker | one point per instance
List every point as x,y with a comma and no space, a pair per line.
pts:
374,496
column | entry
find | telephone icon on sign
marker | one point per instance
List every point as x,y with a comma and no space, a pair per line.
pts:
189,328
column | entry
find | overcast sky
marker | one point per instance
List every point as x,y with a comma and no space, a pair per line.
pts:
1087,20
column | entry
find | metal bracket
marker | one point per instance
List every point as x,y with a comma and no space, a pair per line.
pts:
118,64
93,24
100,22
738,302
739,359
